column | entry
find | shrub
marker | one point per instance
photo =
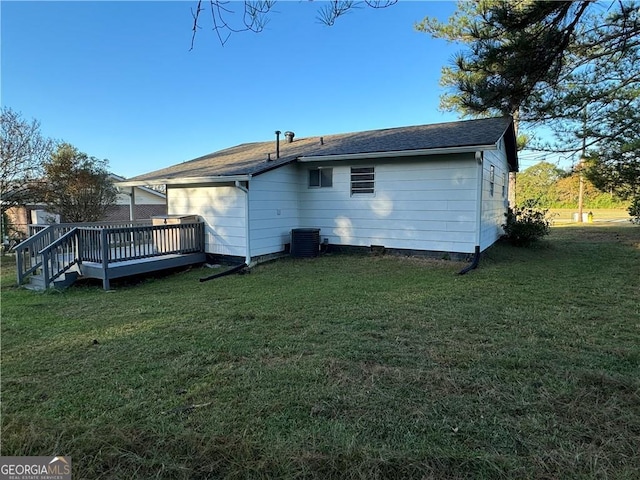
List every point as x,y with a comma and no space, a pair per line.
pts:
526,224
634,209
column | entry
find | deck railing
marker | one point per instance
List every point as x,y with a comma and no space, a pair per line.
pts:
56,248
62,228
111,245
60,256
28,259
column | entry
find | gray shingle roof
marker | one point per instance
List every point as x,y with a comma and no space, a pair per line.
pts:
251,158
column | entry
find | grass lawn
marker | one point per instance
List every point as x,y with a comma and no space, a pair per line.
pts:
339,367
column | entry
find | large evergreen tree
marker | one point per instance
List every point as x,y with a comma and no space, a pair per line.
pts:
571,66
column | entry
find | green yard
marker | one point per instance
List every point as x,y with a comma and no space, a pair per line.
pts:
339,367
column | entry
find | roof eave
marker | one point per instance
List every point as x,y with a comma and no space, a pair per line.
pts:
184,180
398,153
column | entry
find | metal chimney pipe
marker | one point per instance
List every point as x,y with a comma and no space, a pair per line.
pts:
278,143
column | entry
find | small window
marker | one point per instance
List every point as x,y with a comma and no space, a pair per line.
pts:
362,180
504,185
492,175
321,177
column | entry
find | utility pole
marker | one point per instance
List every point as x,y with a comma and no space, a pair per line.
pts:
580,191
581,164
512,175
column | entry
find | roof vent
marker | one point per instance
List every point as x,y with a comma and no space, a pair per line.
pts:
321,140
268,157
278,143
289,136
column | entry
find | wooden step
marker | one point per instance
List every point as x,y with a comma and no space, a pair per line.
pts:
36,282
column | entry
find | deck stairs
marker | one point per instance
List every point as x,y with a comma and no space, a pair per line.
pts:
37,281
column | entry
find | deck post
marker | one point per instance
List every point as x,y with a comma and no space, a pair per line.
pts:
20,265
104,237
45,268
201,237
79,247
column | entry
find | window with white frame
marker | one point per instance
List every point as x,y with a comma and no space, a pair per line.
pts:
362,180
492,179
320,177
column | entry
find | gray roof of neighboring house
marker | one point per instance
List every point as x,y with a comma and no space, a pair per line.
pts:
251,158
118,179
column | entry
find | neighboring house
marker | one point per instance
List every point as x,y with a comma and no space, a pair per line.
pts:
430,188
148,203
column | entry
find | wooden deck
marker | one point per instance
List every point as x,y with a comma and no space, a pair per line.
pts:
107,251
139,266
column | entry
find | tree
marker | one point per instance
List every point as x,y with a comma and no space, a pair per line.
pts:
538,183
572,66
251,16
77,187
23,150
615,166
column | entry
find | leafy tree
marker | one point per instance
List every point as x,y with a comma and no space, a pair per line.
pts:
568,189
550,187
77,187
615,166
23,150
538,183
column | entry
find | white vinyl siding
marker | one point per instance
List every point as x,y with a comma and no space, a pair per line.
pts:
494,206
421,205
273,200
427,203
223,210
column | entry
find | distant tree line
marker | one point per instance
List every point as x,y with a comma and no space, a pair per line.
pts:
551,187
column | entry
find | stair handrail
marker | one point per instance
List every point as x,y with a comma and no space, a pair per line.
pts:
52,266
34,259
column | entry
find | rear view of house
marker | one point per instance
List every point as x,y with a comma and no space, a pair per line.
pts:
430,188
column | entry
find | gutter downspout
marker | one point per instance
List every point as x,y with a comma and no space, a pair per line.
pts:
476,253
235,269
238,185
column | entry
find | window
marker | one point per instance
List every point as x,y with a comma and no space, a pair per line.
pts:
321,177
504,185
492,179
362,180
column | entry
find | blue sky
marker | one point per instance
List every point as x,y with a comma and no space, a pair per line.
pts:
118,81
